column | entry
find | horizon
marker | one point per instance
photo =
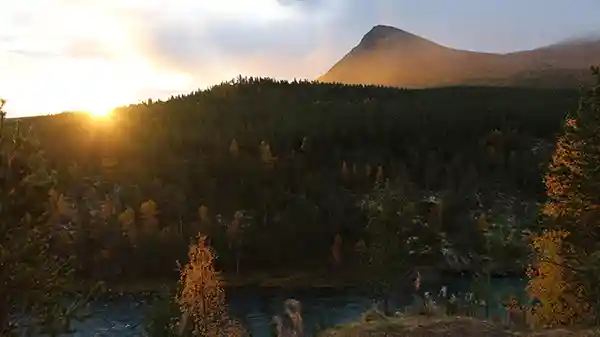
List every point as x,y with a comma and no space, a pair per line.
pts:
64,55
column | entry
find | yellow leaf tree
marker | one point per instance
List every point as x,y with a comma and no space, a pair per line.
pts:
201,299
569,253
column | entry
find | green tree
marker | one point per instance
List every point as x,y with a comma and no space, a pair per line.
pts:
235,235
397,241
32,276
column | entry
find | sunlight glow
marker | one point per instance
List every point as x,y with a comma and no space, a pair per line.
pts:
91,55
101,113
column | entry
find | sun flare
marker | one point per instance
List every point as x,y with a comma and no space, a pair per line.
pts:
100,113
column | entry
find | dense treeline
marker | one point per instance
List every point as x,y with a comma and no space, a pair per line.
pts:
272,171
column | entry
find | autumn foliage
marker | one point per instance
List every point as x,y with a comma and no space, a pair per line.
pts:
562,300
202,299
565,277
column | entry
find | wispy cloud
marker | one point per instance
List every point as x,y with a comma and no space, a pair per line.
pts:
99,45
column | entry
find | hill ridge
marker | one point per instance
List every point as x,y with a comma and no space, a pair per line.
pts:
390,56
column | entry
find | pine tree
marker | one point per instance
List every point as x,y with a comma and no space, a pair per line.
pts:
345,170
573,178
234,149
573,188
368,170
336,249
235,235
396,239
149,220
204,222
127,221
33,277
265,153
379,175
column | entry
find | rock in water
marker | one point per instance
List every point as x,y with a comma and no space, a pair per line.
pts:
289,323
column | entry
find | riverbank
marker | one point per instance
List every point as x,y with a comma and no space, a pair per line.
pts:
285,280
338,279
423,326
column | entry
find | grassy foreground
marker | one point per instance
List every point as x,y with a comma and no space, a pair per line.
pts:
455,326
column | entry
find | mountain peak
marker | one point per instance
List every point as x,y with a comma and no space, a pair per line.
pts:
381,33
390,56
384,30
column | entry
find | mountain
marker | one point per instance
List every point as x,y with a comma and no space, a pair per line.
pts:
393,57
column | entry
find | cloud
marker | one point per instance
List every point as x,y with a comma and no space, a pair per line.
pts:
57,28
153,47
279,38
203,42
77,50
189,48
304,4
88,49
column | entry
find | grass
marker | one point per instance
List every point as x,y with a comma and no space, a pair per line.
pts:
449,326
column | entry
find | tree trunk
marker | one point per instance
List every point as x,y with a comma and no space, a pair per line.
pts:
386,306
183,324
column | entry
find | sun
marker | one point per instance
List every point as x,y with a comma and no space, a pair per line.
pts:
103,113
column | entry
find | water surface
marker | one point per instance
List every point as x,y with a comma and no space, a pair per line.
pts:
321,308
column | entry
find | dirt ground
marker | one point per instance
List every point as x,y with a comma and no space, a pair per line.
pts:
421,326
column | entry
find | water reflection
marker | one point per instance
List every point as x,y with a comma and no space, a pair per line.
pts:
321,308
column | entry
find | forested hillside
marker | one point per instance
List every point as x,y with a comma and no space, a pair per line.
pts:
272,171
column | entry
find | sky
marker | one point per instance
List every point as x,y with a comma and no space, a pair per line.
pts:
58,55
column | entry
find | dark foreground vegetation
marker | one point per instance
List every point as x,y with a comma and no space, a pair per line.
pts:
299,177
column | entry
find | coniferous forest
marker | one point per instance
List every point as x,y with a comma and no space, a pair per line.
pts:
302,177
273,171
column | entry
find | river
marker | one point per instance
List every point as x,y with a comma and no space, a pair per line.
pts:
321,308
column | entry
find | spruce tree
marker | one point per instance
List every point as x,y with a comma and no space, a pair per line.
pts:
573,178
573,189
33,277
